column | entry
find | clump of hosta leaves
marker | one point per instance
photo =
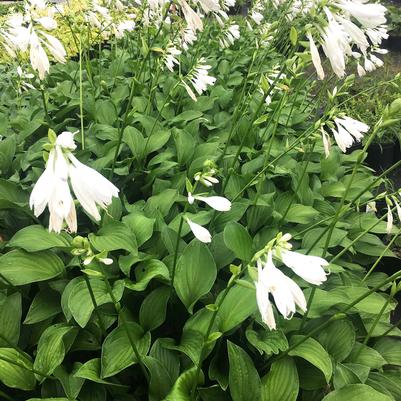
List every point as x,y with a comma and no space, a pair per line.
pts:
181,215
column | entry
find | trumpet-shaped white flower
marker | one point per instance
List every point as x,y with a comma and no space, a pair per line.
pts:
309,268
315,57
368,14
170,57
199,79
52,188
348,131
218,203
257,17
230,35
286,293
191,17
201,233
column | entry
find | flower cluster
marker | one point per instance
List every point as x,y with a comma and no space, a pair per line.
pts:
52,188
346,132
345,29
286,292
218,203
110,23
199,78
25,33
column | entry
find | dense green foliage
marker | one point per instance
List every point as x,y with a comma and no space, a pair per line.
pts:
127,331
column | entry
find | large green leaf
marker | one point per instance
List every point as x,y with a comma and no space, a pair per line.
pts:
238,240
364,355
244,381
16,369
115,235
389,349
117,352
356,392
10,318
147,271
238,305
79,298
182,388
45,305
20,267
267,341
338,339
314,353
281,383
36,238
153,308
195,273
53,345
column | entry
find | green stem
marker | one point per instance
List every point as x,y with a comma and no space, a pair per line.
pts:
95,305
177,244
381,255
81,103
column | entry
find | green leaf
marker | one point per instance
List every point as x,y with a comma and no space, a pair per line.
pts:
117,352
356,392
16,369
237,306
389,349
238,240
36,238
45,305
140,225
71,385
364,355
53,345
160,380
79,301
267,341
147,271
314,353
115,235
7,152
181,390
282,382
37,266
301,214
244,381
344,374
153,308
91,371
10,318
49,399
293,36
338,339
195,273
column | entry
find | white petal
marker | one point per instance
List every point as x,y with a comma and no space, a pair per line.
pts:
201,233
218,203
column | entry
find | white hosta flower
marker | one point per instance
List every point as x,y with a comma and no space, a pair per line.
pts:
309,268
199,79
201,233
264,305
90,187
257,17
326,142
390,219
218,203
368,14
371,207
361,70
231,34
348,131
188,38
52,188
286,293
122,27
315,57
39,60
47,23
56,48
191,17
209,6
170,58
